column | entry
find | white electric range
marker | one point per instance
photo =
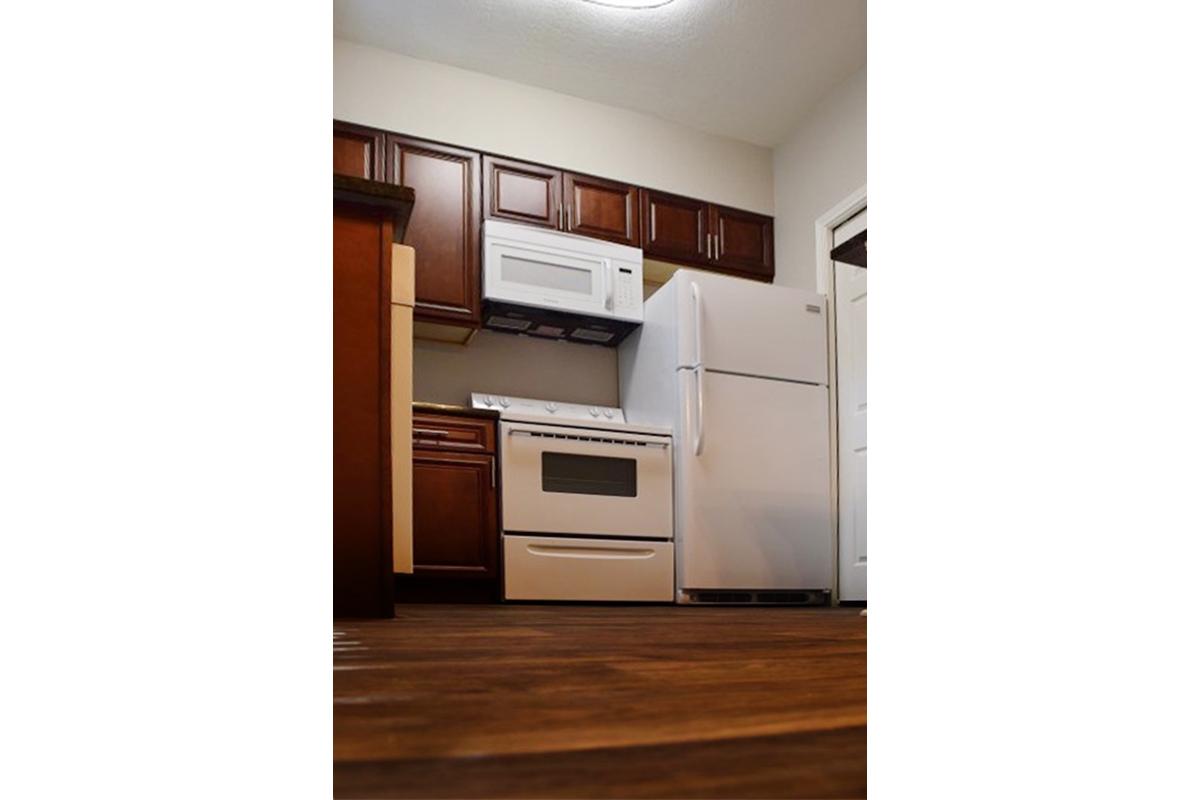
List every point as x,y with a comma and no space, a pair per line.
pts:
586,502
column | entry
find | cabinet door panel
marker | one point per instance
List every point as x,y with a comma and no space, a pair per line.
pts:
522,192
602,209
745,242
455,526
444,227
674,228
357,151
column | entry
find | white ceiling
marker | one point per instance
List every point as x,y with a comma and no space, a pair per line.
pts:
748,69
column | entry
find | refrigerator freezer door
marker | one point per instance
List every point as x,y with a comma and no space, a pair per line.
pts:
753,509
751,328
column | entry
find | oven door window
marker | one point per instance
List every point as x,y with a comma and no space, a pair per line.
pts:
570,473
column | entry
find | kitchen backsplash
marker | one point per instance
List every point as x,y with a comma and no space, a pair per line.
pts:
515,365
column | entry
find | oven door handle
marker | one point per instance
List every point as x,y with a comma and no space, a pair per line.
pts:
586,551
582,438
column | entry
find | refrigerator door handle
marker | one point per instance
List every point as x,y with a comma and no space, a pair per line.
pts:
696,309
698,439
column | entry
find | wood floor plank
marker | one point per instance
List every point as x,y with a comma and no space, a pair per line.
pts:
509,696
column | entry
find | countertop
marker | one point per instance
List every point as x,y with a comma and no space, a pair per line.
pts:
419,407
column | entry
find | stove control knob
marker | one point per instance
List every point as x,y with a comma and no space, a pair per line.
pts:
608,413
552,407
595,412
488,400
505,402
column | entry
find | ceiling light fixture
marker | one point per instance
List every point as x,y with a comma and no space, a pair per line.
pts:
630,4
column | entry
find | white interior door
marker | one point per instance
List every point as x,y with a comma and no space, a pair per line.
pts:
851,293
753,507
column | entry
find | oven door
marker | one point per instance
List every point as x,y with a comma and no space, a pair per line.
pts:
547,277
580,481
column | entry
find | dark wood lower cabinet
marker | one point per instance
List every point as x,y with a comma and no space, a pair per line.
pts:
456,520
362,527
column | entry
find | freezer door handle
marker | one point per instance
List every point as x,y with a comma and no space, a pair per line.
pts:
697,312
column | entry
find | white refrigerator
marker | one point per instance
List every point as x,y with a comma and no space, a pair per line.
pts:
738,370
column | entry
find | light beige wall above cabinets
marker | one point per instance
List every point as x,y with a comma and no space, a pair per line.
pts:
816,168
469,109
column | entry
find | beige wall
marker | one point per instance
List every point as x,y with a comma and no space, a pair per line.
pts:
821,163
385,90
435,101
515,365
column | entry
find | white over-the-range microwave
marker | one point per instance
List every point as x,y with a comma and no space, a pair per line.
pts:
558,285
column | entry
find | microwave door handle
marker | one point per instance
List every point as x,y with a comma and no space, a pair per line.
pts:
608,284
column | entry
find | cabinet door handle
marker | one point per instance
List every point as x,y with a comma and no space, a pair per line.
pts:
429,432
716,247
568,218
492,461
560,217
708,245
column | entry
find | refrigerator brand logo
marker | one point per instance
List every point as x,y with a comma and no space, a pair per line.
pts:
813,308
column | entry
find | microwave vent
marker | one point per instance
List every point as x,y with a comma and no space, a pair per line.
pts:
590,335
509,323
547,330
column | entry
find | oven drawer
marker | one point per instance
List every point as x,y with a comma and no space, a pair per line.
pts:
558,568
433,432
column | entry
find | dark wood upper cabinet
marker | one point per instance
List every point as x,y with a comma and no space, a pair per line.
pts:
455,520
602,209
521,192
456,189
743,242
444,227
707,236
675,228
357,151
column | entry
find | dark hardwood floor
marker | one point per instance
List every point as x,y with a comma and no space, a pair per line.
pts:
601,701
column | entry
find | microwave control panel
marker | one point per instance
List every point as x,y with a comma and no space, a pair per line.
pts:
627,294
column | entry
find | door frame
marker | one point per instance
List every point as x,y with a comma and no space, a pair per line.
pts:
824,226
